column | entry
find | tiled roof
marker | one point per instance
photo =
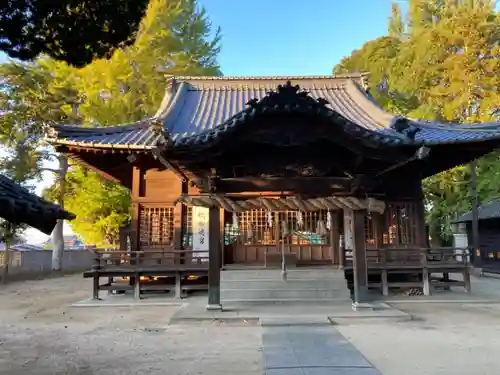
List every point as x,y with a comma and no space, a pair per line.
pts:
490,210
196,109
18,206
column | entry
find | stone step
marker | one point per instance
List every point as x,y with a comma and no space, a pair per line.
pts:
285,301
292,274
280,284
306,294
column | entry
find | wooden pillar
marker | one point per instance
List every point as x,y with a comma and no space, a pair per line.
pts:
378,228
421,233
360,269
477,259
214,259
334,237
179,211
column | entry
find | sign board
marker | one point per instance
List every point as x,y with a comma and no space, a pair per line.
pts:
200,232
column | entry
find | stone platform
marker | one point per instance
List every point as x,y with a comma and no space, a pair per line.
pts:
311,351
286,314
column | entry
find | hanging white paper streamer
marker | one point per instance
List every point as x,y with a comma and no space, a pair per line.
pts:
300,219
250,232
329,220
320,228
235,220
270,219
284,228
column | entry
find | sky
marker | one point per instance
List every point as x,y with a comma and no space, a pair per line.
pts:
293,37
284,37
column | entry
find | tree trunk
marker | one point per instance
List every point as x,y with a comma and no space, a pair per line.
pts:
8,243
58,233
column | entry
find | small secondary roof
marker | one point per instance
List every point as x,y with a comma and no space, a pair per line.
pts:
19,206
490,210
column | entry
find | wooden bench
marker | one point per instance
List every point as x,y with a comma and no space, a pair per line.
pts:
132,265
421,262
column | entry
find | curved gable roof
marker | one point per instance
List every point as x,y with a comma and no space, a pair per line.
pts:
194,106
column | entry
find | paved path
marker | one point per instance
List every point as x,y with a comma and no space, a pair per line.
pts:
307,350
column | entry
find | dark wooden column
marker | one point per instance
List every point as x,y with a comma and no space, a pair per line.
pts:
360,268
214,259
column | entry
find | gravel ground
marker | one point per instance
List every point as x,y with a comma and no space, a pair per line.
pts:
444,339
40,334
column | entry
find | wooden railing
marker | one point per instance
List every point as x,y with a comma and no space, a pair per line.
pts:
156,267
132,259
420,262
416,257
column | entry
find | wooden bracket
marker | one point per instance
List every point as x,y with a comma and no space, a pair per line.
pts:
157,154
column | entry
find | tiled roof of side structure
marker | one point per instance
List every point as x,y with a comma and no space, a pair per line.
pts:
20,206
194,107
490,210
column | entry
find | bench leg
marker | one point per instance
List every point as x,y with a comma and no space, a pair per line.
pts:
137,287
385,283
95,288
426,284
446,278
110,281
178,289
466,275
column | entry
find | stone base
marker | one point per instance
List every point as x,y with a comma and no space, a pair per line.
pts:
214,307
362,306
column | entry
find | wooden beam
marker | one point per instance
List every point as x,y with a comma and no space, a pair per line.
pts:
309,185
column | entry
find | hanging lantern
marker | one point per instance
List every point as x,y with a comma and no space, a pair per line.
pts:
300,219
270,219
329,220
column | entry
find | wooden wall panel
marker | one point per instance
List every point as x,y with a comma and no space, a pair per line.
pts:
161,186
157,188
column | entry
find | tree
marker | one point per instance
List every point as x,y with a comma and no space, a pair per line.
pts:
396,24
102,207
74,31
446,69
30,101
173,39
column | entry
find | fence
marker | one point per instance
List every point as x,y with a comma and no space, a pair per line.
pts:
37,262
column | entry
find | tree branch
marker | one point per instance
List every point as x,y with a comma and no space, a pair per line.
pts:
44,169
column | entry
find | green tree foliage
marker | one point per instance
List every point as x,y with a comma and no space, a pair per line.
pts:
27,106
396,22
445,68
102,207
75,31
174,38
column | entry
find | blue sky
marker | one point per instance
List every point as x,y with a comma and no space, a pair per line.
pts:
286,37
292,37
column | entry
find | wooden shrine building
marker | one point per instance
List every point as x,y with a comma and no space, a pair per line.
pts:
301,166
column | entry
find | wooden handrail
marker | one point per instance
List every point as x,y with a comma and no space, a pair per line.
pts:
119,257
417,256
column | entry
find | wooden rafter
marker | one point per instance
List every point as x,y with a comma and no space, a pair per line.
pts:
296,184
283,204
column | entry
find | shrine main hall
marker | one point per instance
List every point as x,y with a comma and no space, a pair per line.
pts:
277,173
